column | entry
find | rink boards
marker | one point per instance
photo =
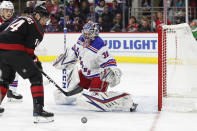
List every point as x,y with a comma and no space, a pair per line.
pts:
125,47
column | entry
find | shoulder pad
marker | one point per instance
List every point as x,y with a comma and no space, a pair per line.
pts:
98,43
80,40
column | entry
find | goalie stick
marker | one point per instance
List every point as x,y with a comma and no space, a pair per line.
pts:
64,71
52,81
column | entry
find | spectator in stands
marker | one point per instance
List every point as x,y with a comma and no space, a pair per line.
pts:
179,4
169,4
132,26
29,9
97,2
70,8
84,8
50,28
69,24
145,26
77,13
100,22
35,2
55,7
115,8
117,23
90,15
181,17
160,20
193,5
77,24
49,6
153,21
60,14
100,8
77,2
146,6
107,19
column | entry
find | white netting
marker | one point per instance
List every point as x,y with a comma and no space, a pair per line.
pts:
181,68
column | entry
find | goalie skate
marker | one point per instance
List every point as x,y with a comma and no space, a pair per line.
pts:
14,97
41,116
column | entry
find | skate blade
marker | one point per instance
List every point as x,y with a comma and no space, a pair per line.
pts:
12,100
40,119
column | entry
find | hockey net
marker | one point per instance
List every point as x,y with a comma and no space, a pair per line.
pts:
177,69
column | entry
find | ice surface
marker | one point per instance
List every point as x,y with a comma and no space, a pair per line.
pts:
140,80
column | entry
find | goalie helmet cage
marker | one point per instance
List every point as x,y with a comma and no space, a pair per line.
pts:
177,68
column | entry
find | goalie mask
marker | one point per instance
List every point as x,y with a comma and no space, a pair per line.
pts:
90,31
7,10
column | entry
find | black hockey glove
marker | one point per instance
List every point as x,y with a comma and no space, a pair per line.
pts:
38,63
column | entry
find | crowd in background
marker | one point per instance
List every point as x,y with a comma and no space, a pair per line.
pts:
107,15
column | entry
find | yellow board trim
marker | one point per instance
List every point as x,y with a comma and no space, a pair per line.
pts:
119,59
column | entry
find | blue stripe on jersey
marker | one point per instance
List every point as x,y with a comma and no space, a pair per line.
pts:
96,75
14,84
95,45
110,65
110,62
92,49
98,43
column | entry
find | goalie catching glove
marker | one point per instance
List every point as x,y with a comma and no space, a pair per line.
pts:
111,75
66,60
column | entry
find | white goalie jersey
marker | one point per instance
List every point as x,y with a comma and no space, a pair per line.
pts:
93,57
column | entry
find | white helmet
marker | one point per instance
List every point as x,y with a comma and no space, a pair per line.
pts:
7,5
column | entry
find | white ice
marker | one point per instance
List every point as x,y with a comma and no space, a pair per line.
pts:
140,80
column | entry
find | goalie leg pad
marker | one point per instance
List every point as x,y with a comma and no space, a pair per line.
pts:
108,101
61,99
72,79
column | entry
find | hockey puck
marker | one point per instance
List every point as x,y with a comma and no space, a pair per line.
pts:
84,119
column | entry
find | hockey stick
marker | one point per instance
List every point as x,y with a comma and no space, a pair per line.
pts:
52,81
64,71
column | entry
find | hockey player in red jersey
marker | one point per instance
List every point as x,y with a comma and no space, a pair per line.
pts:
7,10
98,70
17,44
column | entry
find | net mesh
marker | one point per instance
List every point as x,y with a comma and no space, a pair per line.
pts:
179,68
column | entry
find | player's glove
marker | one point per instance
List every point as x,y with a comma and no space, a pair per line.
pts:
38,63
67,60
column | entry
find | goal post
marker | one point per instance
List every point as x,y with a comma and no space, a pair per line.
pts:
177,68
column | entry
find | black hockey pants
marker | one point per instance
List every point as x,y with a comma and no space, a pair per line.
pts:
18,61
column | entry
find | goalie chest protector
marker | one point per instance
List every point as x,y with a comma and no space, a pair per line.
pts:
93,56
